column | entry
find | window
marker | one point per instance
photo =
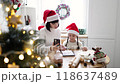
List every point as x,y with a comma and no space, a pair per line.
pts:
78,11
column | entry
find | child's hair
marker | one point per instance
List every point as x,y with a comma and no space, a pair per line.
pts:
48,24
77,43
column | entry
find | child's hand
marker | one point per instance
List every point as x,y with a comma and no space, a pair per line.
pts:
84,49
62,48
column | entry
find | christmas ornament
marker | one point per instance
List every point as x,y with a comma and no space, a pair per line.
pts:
65,8
99,56
13,20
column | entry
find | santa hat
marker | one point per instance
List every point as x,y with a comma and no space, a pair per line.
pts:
48,16
72,28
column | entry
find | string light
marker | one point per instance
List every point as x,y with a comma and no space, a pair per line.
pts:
21,56
32,56
31,32
35,63
24,32
13,64
31,42
7,9
15,6
0,5
0,32
13,25
9,25
42,64
9,17
6,60
29,52
47,58
51,66
39,58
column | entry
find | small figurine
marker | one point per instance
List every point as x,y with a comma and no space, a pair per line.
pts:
99,56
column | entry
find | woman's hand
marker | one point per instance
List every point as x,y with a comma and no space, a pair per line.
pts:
84,49
54,47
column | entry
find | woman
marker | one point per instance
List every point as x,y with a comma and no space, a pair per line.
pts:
50,31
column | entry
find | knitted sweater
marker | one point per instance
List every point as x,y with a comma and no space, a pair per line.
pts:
49,36
72,45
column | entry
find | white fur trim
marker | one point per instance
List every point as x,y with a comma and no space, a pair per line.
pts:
73,32
100,60
52,18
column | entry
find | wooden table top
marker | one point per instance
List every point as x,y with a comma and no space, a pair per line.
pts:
67,59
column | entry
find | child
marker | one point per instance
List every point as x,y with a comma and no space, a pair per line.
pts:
71,42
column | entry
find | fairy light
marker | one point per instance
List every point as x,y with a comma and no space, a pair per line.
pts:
15,6
13,63
42,64
7,9
31,32
31,67
9,17
31,42
6,60
47,58
24,32
35,63
21,56
29,52
0,32
9,25
32,56
0,5
51,66
13,25
39,58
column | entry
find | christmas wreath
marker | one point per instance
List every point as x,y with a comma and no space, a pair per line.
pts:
66,8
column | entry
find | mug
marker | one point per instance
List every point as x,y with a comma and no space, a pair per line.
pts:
82,31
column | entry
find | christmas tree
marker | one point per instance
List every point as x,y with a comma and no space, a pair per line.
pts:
17,47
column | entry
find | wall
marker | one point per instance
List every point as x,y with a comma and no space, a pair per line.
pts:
102,27
31,11
117,39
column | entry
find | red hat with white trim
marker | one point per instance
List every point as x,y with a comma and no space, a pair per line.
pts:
50,15
72,28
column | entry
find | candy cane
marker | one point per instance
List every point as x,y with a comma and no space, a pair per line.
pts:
20,3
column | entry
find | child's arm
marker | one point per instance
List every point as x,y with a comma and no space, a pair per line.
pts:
82,47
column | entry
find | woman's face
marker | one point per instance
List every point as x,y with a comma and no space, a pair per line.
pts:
72,37
54,25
